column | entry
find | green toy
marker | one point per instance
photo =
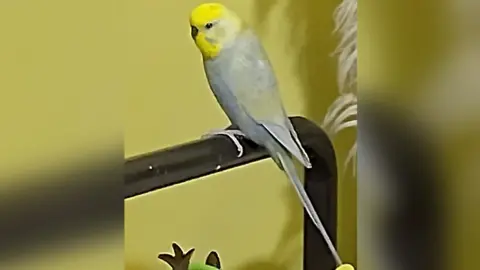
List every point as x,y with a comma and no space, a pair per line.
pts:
181,261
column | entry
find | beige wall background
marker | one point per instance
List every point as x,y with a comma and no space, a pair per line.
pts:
249,214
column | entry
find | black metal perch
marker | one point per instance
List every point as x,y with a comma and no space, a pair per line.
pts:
186,162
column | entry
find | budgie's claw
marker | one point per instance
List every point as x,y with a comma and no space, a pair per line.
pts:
230,133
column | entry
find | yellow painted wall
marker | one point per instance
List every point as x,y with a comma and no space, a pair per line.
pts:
250,214
61,87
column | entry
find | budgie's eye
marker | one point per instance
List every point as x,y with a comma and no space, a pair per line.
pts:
209,25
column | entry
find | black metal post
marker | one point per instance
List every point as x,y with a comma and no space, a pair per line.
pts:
186,162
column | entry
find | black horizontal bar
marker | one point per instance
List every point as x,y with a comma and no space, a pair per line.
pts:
189,161
162,168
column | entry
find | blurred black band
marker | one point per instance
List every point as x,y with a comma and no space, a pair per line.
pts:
411,233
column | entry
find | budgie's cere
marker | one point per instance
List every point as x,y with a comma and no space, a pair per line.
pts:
243,82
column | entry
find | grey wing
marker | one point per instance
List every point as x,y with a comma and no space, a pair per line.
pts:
255,88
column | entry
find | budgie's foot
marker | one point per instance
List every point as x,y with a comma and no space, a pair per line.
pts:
230,133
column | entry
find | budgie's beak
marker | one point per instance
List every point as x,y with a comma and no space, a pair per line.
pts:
193,32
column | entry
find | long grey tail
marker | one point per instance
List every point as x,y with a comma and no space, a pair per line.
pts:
290,170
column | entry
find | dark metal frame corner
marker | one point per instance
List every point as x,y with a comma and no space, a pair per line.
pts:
186,162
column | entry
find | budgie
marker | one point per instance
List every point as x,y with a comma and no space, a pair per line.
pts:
243,82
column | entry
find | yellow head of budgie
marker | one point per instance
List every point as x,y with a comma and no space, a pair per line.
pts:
213,27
